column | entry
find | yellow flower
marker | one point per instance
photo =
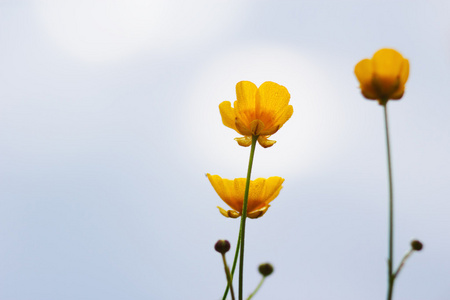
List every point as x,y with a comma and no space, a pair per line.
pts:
384,76
257,111
262,192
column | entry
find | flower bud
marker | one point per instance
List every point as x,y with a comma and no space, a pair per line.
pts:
416,245
222,246
265,269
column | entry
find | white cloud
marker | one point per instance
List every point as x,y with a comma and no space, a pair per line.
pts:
103,31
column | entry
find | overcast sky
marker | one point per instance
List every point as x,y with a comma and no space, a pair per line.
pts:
109,121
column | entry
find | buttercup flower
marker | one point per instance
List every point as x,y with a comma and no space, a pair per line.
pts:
384,76
262,192
257,111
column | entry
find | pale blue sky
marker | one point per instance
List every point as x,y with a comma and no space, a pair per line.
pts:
109,121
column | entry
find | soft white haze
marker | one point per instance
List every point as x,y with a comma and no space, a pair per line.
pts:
109,121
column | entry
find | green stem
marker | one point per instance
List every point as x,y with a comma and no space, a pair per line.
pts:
402,263
244,216
234,265
391,276
229,278
257,288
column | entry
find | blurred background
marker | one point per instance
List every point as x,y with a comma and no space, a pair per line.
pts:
109,121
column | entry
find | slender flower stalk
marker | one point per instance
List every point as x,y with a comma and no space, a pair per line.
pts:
415,245
229,278
391,275
257,288
244,216
402,263
236,255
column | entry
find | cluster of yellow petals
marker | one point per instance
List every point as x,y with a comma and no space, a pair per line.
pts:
257,111
262,191
384,76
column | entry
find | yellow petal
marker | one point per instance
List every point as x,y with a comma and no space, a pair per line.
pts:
245,94
387,63
278,121
228,115
219,186
245,103
271,97
237,194
364,74
223,187
256,194
404,74
270,131
369,93
398,94
273,188
244,141
264,142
